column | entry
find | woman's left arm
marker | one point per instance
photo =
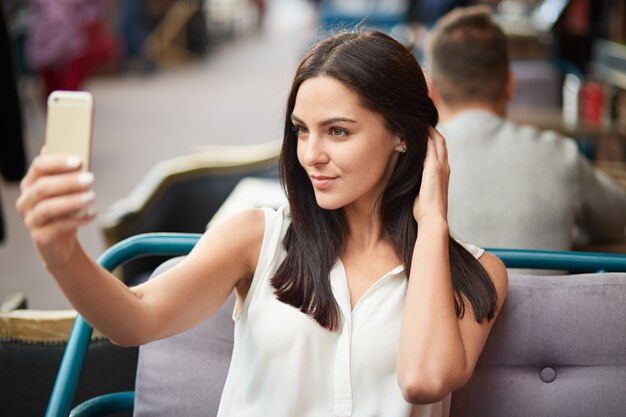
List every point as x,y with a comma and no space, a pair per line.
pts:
438,351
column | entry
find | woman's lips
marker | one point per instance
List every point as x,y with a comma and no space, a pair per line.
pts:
320,182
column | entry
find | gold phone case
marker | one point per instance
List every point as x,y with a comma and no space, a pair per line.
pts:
69,124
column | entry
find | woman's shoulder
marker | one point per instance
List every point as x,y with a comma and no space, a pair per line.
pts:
475,250
492,264
248,222
498,274
252,221
251,227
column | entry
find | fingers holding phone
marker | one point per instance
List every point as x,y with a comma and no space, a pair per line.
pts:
55,186
56,193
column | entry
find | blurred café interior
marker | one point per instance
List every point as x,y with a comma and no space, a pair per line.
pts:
172,78
189,98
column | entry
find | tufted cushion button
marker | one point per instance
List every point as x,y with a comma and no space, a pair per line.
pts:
547,374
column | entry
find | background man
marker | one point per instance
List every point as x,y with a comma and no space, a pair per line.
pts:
511,186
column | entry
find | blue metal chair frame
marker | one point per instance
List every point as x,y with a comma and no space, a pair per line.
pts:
182,243
74,356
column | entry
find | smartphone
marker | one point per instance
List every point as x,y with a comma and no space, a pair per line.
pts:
69,124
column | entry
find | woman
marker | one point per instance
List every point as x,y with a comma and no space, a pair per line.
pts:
352,301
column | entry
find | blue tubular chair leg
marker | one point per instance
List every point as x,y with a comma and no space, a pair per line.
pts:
69,371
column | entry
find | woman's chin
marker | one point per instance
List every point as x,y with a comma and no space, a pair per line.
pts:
328,204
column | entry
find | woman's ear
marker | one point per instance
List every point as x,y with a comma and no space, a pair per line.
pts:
400,145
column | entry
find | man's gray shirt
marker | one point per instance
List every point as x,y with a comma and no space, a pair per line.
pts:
513,186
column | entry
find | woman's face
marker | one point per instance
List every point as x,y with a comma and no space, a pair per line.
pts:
344,148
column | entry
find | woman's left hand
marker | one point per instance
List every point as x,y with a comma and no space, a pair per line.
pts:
432,200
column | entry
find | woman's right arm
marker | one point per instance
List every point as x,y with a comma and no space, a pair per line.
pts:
54,191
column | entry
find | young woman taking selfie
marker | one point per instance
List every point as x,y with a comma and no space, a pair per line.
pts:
353,300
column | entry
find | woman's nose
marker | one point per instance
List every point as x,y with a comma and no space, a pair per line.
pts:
315,151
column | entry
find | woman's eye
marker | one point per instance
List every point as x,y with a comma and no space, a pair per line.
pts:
300,130
336,131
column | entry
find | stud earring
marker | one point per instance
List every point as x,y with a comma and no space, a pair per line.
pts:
403,149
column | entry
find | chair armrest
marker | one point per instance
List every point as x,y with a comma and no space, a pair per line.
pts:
69,370
104,405
124,217
567,261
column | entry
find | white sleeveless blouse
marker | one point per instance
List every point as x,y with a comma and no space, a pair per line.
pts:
284,364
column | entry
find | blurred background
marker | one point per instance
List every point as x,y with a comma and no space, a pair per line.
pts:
171,77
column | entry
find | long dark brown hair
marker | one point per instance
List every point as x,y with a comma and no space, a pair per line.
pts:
390,82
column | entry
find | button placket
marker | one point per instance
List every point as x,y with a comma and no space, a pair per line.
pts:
342,382
342,404
374,295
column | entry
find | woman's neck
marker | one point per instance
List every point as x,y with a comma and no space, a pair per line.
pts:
364,229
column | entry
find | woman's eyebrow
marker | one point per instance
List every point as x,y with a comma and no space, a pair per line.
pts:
337,119
295,118
325,122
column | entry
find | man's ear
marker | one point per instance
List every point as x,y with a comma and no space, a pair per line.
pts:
432,90
509,89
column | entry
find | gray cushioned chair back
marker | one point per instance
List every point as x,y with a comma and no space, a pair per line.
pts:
183,375
557,349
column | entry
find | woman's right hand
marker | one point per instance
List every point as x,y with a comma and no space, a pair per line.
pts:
56,199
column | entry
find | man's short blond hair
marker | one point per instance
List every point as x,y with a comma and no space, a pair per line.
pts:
468,58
